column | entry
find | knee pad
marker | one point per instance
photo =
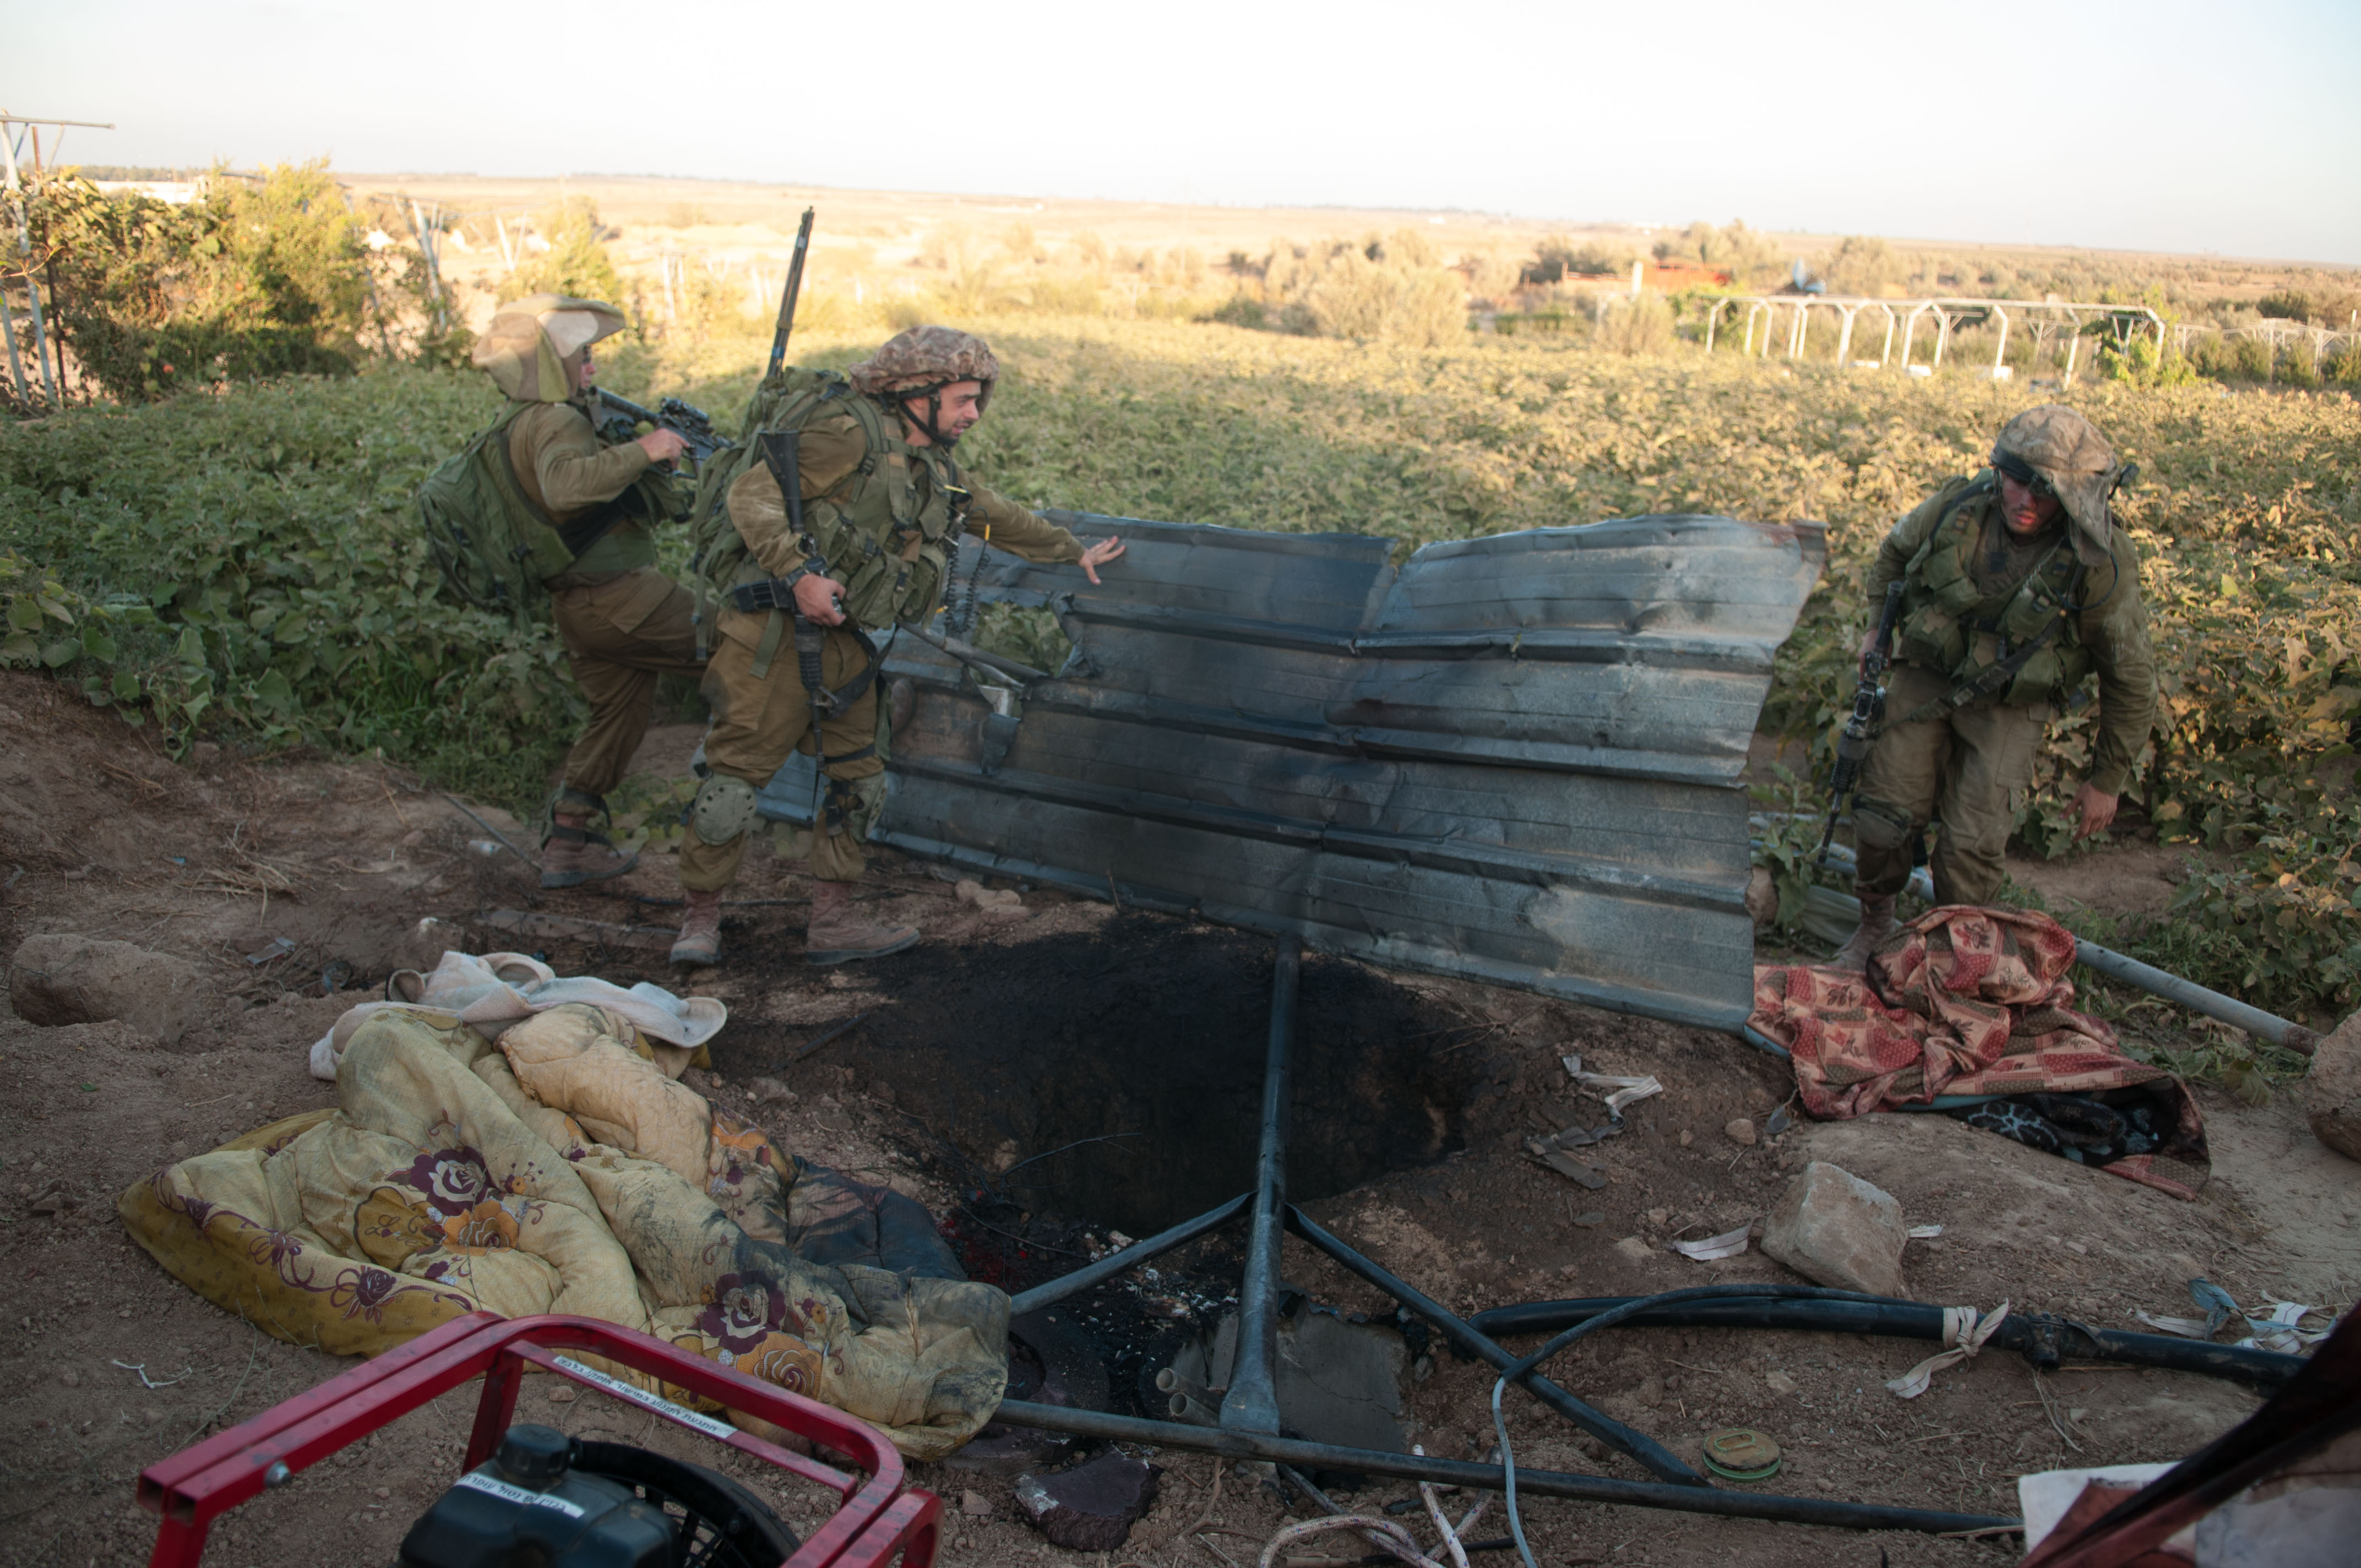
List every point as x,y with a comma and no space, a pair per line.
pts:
852,805
724,807
1877,826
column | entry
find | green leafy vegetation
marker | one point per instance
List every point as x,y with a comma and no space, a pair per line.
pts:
253,563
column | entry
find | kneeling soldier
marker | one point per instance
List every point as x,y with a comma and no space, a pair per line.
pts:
2015,585
882,505
624,623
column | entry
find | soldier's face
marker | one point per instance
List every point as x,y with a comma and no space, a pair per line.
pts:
960,408
2027,510
585,372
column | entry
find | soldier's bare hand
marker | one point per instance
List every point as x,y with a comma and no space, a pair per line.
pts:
816,599
1098,555
1868,646
2096,810
662,445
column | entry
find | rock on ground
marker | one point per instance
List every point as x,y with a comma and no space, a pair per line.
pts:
1837,1230
2332,1090
64,978
1093,1506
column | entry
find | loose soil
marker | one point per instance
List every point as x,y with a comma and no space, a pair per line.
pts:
988,1047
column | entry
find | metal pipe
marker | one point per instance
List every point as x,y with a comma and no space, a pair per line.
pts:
1699,1499
1252,1402
32,285
8,333
1606,1428
1114,1263
2195,997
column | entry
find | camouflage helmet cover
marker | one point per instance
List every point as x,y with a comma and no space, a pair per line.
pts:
526,349
2067,449
925,356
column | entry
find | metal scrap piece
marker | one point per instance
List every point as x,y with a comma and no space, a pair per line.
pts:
1515,758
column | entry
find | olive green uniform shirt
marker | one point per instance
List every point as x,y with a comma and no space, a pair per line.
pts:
564,471
2114,629
827,456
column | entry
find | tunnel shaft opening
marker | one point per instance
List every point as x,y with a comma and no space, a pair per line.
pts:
1117,1076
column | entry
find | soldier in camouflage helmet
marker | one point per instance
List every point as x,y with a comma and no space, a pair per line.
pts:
624,623
2016,586
884,505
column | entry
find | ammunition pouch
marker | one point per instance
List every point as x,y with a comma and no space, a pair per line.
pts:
852,805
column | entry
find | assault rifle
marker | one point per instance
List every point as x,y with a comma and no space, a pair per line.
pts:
1868,715
684,419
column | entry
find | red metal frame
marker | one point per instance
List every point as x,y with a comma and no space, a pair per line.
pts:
877,1523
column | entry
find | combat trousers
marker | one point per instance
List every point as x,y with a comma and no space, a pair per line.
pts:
758,720
1969,769
621,635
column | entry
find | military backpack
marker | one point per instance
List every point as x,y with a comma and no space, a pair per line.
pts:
493,545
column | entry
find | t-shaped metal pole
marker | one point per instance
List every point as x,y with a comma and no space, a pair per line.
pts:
1252,1402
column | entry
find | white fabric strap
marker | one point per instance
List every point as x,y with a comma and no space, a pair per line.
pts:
1964,1335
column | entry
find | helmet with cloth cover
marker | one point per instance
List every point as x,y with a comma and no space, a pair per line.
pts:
921,362
2054,444
531,346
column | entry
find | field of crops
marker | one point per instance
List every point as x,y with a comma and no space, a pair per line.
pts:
251,561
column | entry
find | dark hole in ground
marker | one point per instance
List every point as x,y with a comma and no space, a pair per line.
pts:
1152,1027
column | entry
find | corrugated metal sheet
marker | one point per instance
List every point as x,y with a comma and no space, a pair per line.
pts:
1516,759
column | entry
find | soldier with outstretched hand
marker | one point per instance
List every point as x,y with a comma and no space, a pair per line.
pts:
2016,586
624,623
883,506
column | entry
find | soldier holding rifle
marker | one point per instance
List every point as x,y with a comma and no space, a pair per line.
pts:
2016,586
846,525
624,623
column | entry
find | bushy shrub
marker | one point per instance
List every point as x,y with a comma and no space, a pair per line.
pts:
257,277
1629,324
1862,266
1387,289
576,261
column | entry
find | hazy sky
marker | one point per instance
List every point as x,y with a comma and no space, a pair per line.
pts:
2163,125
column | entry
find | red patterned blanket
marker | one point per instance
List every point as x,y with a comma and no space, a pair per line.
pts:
1967,1000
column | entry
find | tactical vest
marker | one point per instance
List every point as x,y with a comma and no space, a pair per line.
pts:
1945,616
888,545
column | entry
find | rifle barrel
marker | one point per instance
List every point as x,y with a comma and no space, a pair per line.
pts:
787,295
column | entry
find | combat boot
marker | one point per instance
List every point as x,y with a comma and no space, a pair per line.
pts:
837,935
1876,929
573,855
699,942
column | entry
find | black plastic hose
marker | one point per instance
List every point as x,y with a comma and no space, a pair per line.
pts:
2042,1338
